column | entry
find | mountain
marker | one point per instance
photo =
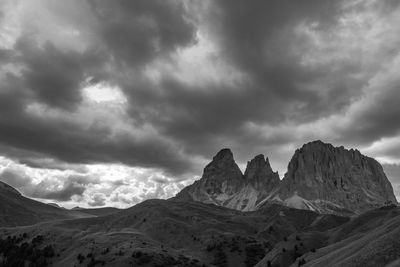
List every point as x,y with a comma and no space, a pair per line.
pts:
16,210
320,177
223,183
332,179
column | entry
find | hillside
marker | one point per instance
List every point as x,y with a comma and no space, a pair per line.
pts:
370,239
17,210
173,233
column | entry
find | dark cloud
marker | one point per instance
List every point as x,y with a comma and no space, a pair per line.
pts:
174,124
378,117
261,40
53,75
138,31
42,163
71,143
6,55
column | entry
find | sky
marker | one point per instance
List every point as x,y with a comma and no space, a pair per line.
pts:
109,103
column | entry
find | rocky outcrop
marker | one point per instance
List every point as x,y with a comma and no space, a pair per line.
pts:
332,179
320,177
224,184
221,179
260,175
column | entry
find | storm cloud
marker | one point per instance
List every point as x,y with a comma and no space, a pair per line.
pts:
161,86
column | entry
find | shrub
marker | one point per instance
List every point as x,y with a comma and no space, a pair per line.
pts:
301,262
254,253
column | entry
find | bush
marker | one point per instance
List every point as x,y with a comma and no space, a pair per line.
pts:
48,252
144,258
301,262
220,258
254,253
25,254
37,240
80,258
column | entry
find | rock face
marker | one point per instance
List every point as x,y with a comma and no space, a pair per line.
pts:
320,177
325,178
224,184
260,175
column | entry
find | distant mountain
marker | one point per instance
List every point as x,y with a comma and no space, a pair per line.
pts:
320,177
98,211
16,210
55,205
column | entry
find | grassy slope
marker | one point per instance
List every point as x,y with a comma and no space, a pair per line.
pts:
99,211
190,234
371,239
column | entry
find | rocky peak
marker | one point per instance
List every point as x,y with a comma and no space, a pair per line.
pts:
346,178
222,174
221,179
222,182
224,154
320,177
260,174
258,162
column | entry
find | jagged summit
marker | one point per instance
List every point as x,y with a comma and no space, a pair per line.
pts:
320,177
260,174
223,183
224,154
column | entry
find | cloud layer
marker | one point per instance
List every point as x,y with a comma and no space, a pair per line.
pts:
157,87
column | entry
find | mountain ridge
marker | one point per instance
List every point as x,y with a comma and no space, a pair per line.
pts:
320,177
